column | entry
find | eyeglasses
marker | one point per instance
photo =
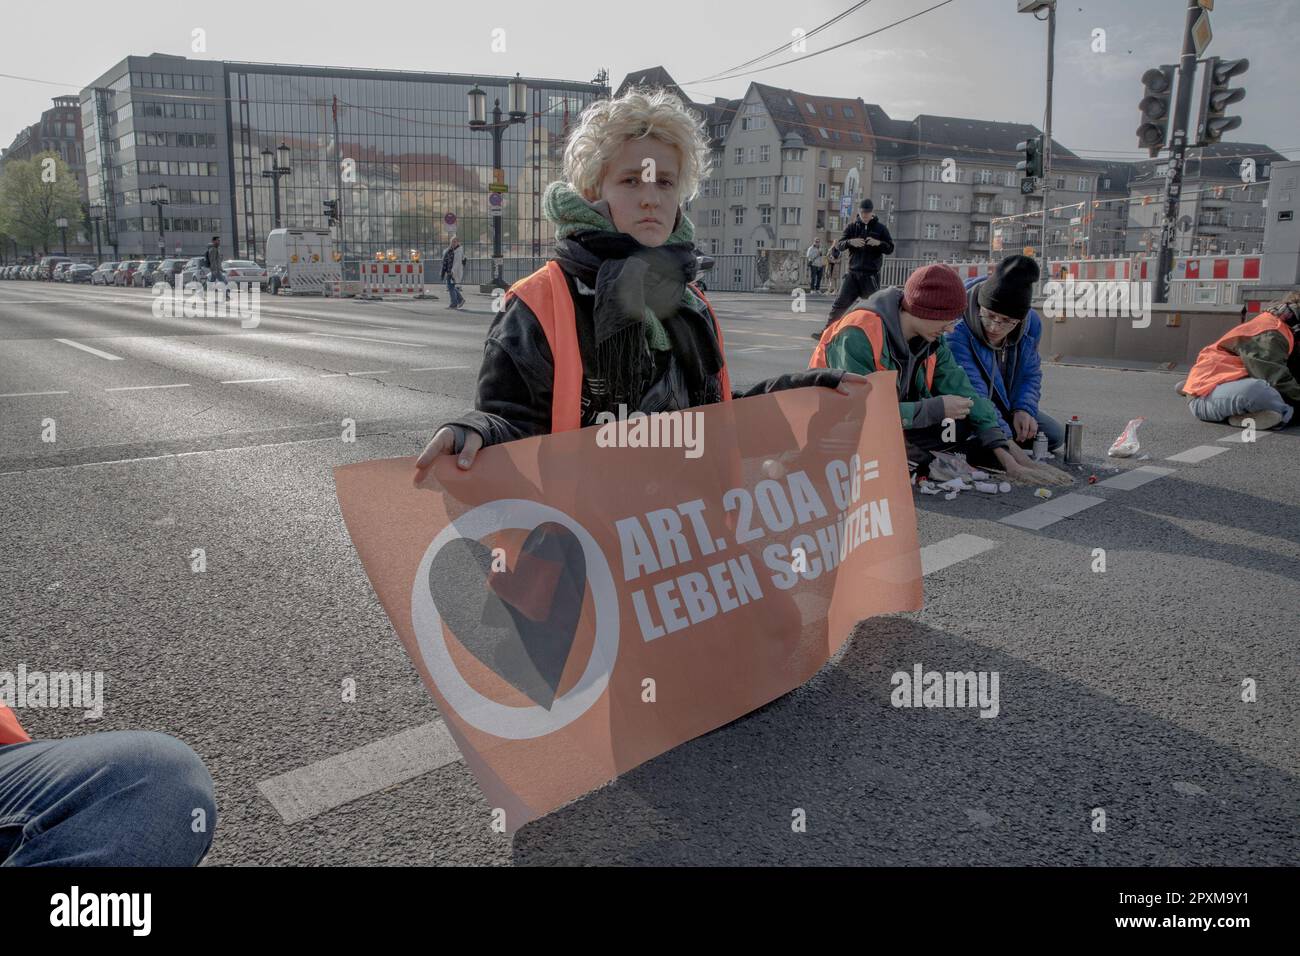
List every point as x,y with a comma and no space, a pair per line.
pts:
998,319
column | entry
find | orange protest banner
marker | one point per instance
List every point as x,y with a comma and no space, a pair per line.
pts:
579,603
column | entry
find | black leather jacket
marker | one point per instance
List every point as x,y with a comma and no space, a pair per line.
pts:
518,371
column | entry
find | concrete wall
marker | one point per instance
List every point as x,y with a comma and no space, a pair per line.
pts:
1176,335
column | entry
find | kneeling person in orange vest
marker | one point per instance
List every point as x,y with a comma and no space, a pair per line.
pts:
902,328
1251,371
614,319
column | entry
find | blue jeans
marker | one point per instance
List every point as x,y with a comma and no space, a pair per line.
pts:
1050,427
120,798
1241,397
453,293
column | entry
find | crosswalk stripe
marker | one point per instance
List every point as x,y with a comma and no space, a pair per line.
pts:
92,351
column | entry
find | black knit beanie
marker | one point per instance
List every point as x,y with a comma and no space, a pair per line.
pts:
1008,290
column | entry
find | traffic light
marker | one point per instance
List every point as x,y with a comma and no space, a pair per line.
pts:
331,211
1032,165
1217,96
1156,107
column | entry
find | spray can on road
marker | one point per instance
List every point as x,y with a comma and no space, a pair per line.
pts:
1074,441
1040,446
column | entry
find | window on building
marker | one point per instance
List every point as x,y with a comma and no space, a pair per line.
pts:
791,215
1008,206
984,177
811,109
737,246
821,219
764,153
931,230
715,217
848,112
982,204
765,215
750,153
887,173
1060,182
821,190
792,185
1009,178
981,233
833,223
737,187
932,201
765,186
954,233
739,155
760,243
837,161
738,214
934,173
823,158
835,192
1084,184
822,130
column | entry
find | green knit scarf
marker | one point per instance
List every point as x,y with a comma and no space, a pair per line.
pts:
565,207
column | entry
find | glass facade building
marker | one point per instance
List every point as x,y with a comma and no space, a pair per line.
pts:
394,148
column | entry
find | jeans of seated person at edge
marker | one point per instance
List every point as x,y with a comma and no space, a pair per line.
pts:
1241,397
453,293
119,798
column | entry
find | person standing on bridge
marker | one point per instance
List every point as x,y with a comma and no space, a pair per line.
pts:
1251,371
615,317
453,270
867,240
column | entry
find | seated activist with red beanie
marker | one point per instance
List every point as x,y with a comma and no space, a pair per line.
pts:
902,328
118,798
614,318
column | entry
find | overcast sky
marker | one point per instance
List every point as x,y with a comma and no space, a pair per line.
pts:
970,58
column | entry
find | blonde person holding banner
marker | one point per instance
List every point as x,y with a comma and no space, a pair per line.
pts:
614,318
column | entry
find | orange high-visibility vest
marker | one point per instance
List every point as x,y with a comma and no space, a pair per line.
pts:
547,294
874,327
10,730
1216,365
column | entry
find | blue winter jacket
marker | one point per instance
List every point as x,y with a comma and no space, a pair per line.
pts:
1022,386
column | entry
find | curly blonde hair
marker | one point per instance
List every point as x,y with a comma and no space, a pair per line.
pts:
607,124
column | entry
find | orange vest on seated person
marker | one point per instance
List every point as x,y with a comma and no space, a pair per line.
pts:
546,293
10,730
1216,365
870,323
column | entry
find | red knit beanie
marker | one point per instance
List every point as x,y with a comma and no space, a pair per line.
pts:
934,292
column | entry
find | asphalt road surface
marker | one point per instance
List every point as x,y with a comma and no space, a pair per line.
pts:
1120,691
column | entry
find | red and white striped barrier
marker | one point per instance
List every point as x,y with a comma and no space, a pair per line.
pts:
399,279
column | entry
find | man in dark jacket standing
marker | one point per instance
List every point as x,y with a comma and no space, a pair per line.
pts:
212,259
866,240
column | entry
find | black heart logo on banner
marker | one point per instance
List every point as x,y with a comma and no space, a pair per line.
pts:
521,622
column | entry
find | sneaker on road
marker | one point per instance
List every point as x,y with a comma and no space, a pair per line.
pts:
1265,419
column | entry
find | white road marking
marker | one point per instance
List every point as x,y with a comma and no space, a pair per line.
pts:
1051,511
382,372
87,348
434,368
141,388
334,781
22,394
1128,480
1197,454
246,381
945,553
362,338
1240,437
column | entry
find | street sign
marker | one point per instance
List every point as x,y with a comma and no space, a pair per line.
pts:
496,199
1201,33
498,177
449,219
1027,186
498,188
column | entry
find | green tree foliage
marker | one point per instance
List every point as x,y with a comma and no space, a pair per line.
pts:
34,195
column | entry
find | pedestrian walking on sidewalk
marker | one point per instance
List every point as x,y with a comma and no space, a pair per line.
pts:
453,270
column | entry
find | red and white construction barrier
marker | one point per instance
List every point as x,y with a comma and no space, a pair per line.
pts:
398,279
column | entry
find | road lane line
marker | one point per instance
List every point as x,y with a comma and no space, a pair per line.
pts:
1128,480
362,338
22,394
141,388
1198,454
949,551
247,381
87,348
1050,512
1240,437
303,793
380,372
434,368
